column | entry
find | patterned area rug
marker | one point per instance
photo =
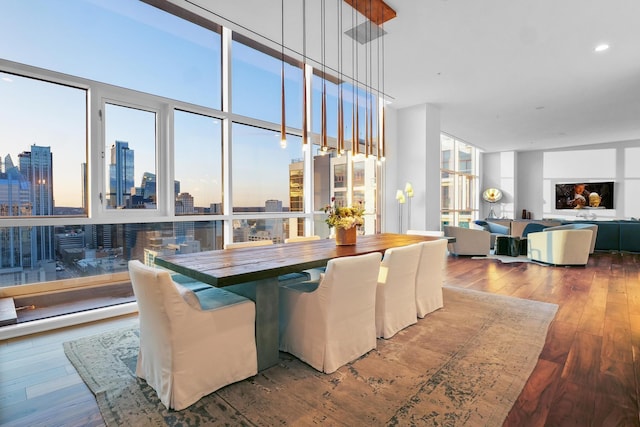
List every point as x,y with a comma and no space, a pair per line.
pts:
510,259
464,364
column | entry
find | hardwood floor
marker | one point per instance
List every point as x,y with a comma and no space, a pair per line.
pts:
588,373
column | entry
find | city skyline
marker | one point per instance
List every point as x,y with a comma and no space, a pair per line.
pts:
48,114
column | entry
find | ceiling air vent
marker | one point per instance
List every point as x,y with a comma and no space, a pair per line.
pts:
365,32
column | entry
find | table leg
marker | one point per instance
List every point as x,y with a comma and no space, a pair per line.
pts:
265,295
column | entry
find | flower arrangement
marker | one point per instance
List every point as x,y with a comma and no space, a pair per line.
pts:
344,217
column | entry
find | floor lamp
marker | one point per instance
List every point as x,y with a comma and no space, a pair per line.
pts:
492,195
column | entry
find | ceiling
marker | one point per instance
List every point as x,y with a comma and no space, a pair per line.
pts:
506,74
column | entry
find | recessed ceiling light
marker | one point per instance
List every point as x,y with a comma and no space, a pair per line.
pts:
601,47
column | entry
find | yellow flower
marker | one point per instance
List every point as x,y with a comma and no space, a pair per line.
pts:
400,196
344,217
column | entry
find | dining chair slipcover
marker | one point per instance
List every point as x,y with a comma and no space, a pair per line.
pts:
430,276
332,322
396,290
186,351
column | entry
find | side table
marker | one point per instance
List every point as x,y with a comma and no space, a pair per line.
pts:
507,245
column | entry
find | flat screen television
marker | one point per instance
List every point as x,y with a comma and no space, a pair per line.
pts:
592,195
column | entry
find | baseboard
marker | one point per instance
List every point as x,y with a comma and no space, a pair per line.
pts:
57,322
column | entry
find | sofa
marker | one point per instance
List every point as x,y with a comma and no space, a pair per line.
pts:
619,236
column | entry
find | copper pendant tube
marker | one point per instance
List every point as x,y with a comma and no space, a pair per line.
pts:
355,115
324,80
338,136
340,141
383,139
369,90
283,126
324,114
305,135
366,92
380,104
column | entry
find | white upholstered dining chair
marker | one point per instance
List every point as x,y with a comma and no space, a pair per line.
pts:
396,290
332,322
191,344
430,276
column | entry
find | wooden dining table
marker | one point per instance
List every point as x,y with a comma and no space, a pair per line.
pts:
253,272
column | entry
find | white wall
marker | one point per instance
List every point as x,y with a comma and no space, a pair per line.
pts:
413,155
498,171
529,188
537,173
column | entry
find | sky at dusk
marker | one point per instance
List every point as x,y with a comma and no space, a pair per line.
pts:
181,63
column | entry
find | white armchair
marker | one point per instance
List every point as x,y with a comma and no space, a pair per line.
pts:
469,241
187,350
430,276
592,227
560,247
331,323
396,292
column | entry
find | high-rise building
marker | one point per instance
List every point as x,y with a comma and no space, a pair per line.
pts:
37,168
272,227
296,196
184,231
15,191
121,170
83,183
184,204
15,242
273,206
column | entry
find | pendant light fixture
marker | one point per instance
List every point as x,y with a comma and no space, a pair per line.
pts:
378,105
369,87
381,138
283,126
366,93
355,140
340,141
305,124
324,79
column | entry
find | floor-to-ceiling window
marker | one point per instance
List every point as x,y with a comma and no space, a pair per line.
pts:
115,142
459,182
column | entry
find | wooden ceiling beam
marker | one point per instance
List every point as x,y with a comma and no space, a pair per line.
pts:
377,11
